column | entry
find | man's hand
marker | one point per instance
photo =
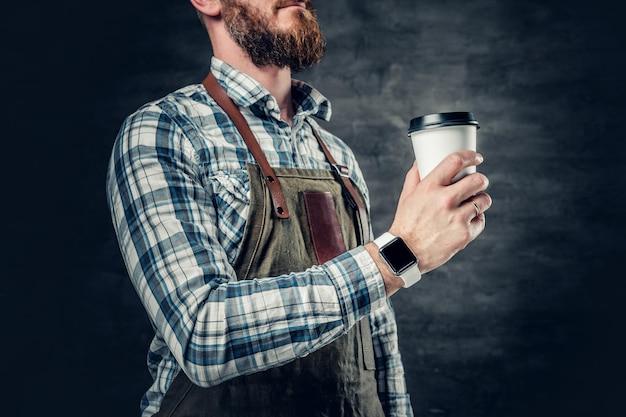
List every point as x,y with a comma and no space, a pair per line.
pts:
435,218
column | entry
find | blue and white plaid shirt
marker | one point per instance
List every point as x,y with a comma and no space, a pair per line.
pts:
179,194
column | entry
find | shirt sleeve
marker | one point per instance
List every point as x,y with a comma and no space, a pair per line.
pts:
216,327
392,389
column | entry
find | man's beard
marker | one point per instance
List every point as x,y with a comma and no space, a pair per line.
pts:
299,48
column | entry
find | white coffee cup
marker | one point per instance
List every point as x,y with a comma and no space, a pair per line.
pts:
437,135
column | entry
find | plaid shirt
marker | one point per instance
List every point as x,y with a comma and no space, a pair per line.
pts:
178,193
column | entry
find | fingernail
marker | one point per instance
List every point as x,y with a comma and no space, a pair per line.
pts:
479,158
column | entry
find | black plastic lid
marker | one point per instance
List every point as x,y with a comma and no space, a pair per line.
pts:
430,121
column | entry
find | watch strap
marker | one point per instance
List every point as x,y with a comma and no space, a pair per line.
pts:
383,239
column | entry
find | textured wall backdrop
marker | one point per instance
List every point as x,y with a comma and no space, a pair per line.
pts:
526,321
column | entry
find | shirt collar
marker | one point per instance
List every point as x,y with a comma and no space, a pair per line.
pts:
247,92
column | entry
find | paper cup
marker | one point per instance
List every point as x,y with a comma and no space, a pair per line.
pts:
436,136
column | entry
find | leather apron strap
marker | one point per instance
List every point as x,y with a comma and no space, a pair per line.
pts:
225,102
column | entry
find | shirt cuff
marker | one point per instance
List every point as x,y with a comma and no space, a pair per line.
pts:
359,284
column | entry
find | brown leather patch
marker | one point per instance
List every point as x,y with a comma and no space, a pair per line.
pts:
324,225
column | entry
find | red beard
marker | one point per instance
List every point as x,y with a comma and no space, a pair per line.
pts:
298,48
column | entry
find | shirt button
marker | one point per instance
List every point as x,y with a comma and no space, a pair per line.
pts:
271,104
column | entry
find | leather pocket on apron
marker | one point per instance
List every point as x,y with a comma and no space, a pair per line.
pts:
324,225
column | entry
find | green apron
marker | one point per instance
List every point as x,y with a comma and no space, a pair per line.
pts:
336,380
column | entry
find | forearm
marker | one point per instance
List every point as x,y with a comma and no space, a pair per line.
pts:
234,328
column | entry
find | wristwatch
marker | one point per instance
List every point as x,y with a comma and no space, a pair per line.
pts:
399,258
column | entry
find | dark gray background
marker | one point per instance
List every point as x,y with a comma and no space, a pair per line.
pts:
528,320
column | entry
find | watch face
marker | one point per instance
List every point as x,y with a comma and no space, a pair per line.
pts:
398,256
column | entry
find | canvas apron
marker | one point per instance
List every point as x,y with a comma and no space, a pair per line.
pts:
336,380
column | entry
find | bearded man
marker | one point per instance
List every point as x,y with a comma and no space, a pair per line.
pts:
245,231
